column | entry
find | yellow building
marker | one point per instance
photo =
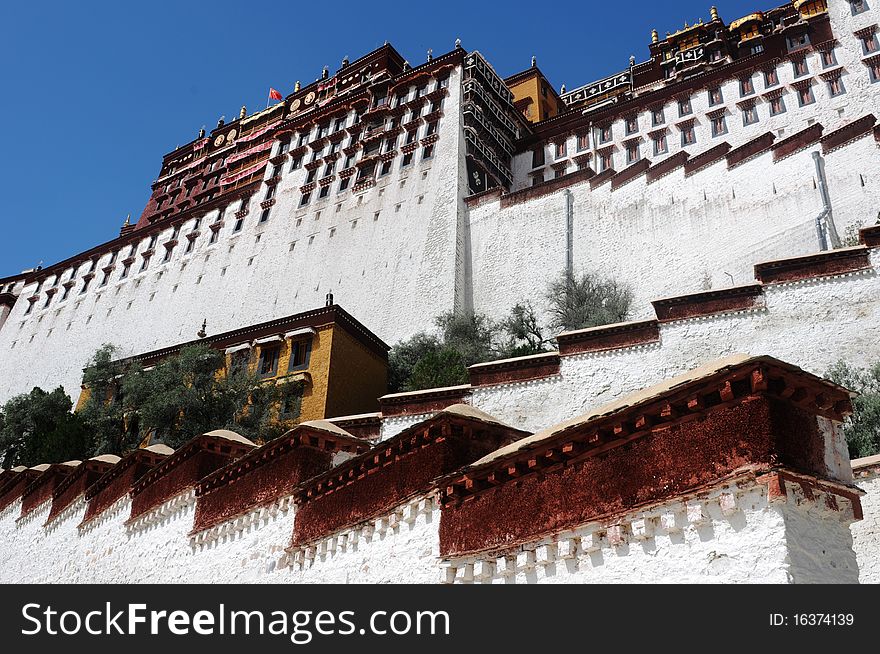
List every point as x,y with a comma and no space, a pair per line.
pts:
343,366
533,95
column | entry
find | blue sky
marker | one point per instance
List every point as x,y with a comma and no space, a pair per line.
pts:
94,93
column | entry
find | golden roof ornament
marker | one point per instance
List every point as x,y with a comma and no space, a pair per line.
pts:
655,37
243,112
713,12
127,222
297,86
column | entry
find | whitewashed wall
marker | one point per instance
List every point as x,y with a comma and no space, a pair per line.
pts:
866,533
393,272
733,534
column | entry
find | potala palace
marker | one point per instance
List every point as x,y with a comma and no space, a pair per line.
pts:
731,179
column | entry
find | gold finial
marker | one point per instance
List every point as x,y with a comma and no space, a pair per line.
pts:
686,25
127,221
655,37
296,87
713,11
243,112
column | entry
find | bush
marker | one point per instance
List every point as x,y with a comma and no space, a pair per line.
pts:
431,361
862,429
579,302
38,427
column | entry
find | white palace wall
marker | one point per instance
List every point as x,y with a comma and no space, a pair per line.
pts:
734,533
388,254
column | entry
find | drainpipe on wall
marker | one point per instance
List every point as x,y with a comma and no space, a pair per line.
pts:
569,233
825,228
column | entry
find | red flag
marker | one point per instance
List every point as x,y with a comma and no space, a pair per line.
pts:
275,95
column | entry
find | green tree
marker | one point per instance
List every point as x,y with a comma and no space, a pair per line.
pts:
38,427
862,429
524,334
104,411
579,302
186,395
432,361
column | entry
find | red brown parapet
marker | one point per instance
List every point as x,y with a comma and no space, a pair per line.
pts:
117,482
609,337
867,467
41,488
418,402
848,133
750,150
734,415
79,481
508,371
478,199
707,158
667,166
870,236
396,470
627,175
597,180
707,303
15,481
182,470
545,188
797,142
367,426
270,472
833,262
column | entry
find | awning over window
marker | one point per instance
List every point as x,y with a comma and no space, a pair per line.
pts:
298,333
268,339
238,348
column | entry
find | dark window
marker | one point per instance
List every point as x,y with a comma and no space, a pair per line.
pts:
560,149
657,117
238,362
800,67
805,96
684,107
858,6
268,361
583,142
344,183
300,352
428,152
538,157
265,215
632,152
688,136
660,145
829,58
777,106
750,115
835,87
746,87
719,126
771,78
324,192
715,96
